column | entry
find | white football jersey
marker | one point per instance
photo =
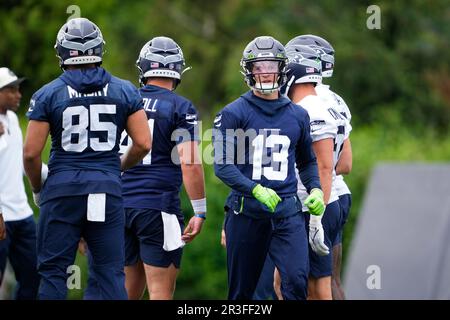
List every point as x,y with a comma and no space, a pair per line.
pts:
339,104
325,122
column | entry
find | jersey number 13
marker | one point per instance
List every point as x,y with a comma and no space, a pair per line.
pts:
281,157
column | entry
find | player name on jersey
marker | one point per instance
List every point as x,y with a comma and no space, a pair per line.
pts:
75,94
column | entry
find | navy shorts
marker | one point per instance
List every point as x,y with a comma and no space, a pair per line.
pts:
322,266
345,201
144,239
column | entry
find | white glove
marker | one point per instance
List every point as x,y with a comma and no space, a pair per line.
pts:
44,173
37,195
316,236
37,199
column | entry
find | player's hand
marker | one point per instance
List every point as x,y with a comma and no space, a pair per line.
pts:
193,229
2,228
37,199
315,202
317,236
223,239
2,129
266,196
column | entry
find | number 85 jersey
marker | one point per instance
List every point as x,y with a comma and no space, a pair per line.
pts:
87,109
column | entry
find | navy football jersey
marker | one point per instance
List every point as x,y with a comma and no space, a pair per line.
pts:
87,109
272,137
155,183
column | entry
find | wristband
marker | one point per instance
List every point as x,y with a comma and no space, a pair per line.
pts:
200,215
199,205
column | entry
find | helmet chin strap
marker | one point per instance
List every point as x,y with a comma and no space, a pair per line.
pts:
266,88
267,92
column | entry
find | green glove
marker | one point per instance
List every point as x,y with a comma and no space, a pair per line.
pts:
315,203
266,196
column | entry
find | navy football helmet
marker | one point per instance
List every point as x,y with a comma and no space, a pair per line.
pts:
79,41
323,47
161,57
303,66
262,56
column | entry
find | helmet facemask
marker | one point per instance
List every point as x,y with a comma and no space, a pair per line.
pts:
264,76
327,65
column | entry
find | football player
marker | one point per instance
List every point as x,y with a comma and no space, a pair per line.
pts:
85,110
151,190
259,139
327,132
344,165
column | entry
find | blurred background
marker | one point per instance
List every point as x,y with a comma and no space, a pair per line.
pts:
395,80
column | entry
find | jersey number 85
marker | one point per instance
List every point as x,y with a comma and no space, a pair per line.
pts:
88,118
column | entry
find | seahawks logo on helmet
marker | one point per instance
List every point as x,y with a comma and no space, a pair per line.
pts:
304,66
322,47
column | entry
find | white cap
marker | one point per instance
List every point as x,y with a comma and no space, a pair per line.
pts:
8,78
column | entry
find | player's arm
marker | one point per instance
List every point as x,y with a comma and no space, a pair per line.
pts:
308,170
139,132
223,238
2,228
194,183
306,160
226,169
192,169
345,162
324,153
224,146
233,178
36,136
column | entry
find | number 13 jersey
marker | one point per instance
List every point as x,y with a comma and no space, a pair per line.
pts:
263,140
